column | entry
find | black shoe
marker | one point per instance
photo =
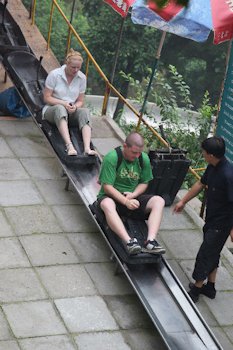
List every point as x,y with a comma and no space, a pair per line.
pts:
205,290
133,247
152,247
193,295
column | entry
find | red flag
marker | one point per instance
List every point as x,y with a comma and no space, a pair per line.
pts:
222,15
120,6
167,12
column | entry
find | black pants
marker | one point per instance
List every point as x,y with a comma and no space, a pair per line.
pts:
137,214
208,255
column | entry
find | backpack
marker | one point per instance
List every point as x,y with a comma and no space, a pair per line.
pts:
10,102
120,157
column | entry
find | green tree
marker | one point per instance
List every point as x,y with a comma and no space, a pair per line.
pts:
137,49
60,29
201,64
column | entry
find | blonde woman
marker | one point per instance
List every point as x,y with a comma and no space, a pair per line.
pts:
64,97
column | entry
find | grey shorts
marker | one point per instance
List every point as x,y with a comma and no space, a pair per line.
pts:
79,118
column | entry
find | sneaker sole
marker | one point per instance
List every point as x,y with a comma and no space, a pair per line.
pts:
135,251
153,251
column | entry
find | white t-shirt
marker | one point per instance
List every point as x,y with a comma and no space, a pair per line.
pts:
56,81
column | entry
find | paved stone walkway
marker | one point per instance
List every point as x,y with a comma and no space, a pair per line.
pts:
58,290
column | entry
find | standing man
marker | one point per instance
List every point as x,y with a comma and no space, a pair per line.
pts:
218,178
122,193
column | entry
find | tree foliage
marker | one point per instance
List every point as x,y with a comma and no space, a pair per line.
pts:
201,65
182,132
162,3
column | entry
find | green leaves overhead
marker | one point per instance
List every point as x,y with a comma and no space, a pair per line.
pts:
162,3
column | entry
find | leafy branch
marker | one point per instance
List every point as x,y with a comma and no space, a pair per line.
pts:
162,3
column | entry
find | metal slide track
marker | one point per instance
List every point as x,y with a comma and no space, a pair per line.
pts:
163,297
178,321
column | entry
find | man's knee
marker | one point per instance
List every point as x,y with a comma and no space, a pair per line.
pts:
107,204
156,201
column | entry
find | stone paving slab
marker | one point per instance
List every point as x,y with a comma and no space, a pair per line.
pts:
222,307
57,342
49,249
5,227
172,221
106,281
66,281
5,332
229,332
19,128
31,319
190,239
225,281
86,314
5,150
42,168
105,145
74,218
12,169
34,219
101,341
19,193
12,254
20,285
53,191
90,247
9,345
30,147
223,339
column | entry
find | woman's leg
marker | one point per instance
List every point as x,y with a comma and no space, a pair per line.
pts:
59,116
82,118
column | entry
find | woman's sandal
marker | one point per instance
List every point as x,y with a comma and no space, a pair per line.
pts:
71,151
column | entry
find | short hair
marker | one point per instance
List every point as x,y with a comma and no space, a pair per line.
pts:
134,139
214,145
72,54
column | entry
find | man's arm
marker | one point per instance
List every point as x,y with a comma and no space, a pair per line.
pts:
195,189
140,189
130,203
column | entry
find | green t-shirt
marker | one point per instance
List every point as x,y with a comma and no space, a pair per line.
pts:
127,176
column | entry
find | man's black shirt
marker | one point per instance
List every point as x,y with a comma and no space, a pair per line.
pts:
219,208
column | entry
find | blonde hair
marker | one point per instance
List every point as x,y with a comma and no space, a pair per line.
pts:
72,55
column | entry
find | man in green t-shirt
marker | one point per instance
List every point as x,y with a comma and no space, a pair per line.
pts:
121,193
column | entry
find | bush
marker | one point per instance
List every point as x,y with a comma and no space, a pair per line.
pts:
185,134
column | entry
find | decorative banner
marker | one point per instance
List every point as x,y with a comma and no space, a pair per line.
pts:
225,116
193,22
222,14
120,6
